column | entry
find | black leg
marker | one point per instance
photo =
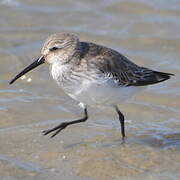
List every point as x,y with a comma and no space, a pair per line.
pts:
63,125
121,119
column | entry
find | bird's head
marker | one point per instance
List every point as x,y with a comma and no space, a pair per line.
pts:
58,48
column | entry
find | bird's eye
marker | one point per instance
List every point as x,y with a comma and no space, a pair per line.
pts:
53,48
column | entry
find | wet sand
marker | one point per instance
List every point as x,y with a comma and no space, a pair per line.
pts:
147,33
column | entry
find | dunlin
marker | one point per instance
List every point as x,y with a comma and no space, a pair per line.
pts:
92,74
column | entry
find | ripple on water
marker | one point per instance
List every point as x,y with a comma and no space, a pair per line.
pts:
29,166
10,2
145,31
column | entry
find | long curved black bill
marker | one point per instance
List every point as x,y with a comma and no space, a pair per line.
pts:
29,68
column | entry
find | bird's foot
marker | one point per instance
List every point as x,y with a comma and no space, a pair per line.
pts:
123,140
57,129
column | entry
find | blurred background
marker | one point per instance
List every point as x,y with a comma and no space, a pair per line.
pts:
147,32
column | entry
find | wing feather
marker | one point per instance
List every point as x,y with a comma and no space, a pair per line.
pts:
124,72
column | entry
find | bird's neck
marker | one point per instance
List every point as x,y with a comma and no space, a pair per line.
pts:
58,71
75,57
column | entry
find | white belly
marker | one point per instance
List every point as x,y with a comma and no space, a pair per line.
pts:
103,91
103,94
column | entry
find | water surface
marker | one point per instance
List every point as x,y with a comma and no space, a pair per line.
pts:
147,32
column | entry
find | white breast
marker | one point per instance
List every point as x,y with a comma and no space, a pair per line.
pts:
95,91
57,71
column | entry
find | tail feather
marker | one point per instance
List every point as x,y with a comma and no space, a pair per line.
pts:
161,76
153,78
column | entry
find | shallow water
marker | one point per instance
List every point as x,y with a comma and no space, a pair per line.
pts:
145,31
